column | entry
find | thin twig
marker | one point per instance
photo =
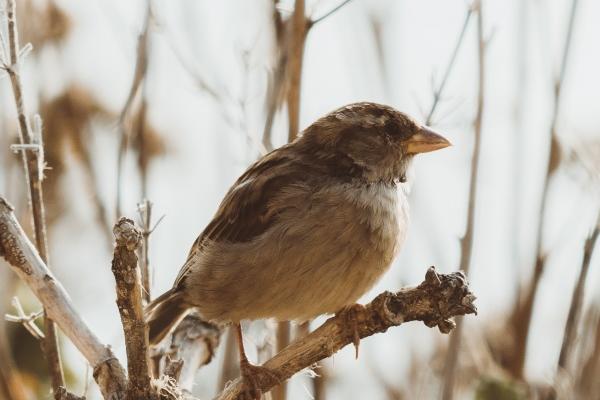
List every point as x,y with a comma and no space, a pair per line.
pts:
129,300
26,262
33,166
466,242
28,321
437,93
524,312
315,21
436,300
145,211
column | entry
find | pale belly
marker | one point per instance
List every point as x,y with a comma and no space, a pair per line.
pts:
327,259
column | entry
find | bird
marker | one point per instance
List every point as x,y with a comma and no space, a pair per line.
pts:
307,229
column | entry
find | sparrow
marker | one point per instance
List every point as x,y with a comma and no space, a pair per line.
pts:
307,229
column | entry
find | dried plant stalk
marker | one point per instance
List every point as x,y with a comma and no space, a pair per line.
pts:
523,313
33,165
466,242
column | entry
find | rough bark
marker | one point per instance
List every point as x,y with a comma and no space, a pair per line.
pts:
129,302
25,261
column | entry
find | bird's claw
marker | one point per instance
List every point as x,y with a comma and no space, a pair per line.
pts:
350,314
251,374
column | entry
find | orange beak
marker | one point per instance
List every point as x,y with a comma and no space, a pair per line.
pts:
426,140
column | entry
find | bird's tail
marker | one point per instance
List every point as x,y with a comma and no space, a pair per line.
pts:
163,314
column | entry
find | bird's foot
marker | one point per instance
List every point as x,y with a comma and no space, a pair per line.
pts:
351,316
252,376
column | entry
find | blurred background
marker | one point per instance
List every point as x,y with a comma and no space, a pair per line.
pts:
171,100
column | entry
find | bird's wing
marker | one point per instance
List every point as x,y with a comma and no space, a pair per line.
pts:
251,207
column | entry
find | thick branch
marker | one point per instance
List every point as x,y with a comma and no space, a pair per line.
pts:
435,301
129,301
22,256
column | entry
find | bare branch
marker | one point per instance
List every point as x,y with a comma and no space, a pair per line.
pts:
298,28
193,344
315,21
23,258
139,75
26,320
33,165
145,211
436,300
129,301
437,93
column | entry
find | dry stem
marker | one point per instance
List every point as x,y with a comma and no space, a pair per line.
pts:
568,343
524,312
33,165
22,256
436,300
466,242
129,301
141,67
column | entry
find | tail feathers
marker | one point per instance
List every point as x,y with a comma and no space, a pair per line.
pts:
163,314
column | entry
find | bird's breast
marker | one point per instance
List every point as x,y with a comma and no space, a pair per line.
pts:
384,213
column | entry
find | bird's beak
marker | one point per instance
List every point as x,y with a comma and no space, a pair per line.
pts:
426,140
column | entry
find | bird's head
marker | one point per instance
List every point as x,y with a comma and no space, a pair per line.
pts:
372,141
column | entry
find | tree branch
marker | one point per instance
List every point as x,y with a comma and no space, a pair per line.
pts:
193,344
22,256
33,164
436,300
129,301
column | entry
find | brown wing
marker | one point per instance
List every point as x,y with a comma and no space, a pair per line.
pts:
247,210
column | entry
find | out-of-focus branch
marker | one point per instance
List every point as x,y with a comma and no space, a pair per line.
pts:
229,368
436,300
466,243
11,385
22,256
193,344
298,28
33,163
129,301
139,75
523,312
437,93
286,78
577,299
587,381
